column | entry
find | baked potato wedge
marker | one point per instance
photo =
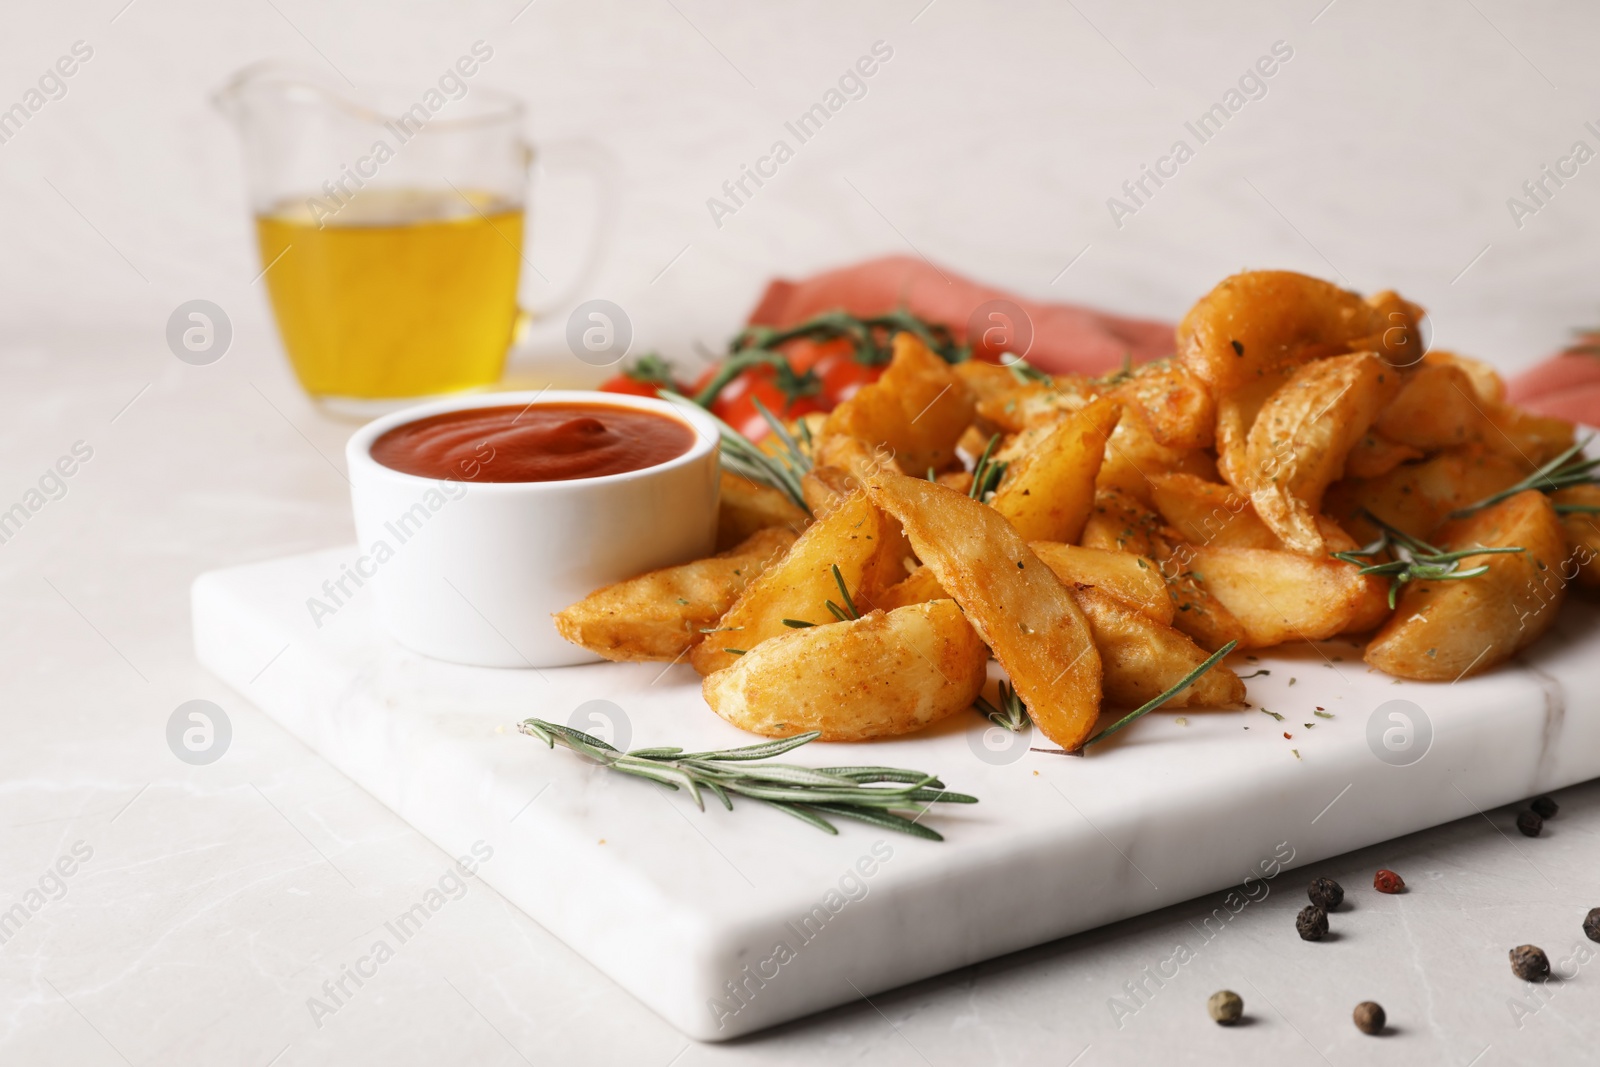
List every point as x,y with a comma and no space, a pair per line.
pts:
1015,602
884,674
917,409
1279,596
660,615
1046,496
1134,580
856,537
746,507
1298,443
1445,630
1175,403
1583,534
1416,497
1142,658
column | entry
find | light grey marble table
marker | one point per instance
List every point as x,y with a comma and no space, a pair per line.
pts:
206,904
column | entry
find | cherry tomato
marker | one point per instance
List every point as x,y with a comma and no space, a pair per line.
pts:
622,383
843,376
735,405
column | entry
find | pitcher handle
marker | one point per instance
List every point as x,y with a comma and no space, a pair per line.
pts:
584,154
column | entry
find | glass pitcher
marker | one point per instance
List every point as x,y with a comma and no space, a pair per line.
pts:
390,226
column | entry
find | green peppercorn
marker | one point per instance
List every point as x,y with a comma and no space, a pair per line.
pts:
1370,1017
1529,963
1226,1007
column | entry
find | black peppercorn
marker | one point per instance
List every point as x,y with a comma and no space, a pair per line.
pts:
1529,823
1226,1007
1529,963
1370,1017
1325,893
1312,922
1591,924
1544,807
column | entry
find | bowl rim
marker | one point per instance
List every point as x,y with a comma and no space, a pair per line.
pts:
358,449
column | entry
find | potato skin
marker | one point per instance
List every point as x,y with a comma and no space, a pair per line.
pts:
659,615
1282,596
1442,631
882,675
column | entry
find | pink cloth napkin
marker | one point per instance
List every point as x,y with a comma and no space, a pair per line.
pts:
1567,385
1065,338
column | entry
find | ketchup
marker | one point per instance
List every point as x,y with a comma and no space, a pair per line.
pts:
535,443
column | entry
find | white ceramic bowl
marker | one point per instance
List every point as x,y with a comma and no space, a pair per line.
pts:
471,572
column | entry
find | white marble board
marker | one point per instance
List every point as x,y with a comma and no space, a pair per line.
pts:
688,910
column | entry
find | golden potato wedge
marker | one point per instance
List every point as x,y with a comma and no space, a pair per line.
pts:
1487,384
1206,513
1444,630
1236,414
1525,438
884,674
851,454
987,380
1134,580
1280,596
1015,602
747,507
660,615
1375,455
1582,560
919,587
1175,402
1036,403
1047,495
1134,456
1437,408
1258,321
1416,497
856,537
917,410
1119,523
825,488
1143,658
1300,438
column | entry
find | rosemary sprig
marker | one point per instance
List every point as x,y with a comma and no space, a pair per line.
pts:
986,473
1012,714
848,612
1568,469
809,794
781,470
1414,560
1184,683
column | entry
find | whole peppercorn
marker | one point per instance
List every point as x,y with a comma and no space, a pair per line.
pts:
1529,963
1544,807
1226,1007
1591,924
1386,881
1370,1017
1529,823
1325,893
1312,922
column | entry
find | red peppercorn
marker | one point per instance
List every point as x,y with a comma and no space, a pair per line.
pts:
1386,881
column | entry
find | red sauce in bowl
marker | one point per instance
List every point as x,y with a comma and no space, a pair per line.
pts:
536,443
